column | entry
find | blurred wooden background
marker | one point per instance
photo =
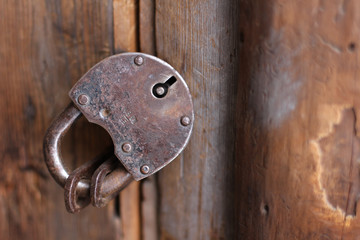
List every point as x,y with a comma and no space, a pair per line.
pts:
275,149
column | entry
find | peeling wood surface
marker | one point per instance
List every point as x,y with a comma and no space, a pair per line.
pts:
274,153
297,142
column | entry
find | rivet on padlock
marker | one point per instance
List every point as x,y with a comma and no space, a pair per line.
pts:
145,106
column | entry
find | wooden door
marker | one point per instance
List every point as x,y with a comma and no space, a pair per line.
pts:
45,47
274,151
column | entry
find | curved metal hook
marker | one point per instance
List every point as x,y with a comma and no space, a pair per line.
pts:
107,181
73,202
106,174
52,146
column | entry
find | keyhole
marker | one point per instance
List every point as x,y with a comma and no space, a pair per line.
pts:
161,89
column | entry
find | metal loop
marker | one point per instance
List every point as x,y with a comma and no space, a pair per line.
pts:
52,147
107,181
73,202
108,177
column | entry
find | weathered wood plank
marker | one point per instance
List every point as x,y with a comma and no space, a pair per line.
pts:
147,26
297,141
126,40
286,71
45,47
149,198
125,25
199,38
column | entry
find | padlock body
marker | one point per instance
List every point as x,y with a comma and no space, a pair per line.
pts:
145,106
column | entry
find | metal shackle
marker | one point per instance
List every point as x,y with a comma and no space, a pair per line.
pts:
97,188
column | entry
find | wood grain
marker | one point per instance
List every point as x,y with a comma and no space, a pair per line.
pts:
126,40
275,145
125,25
200,39
275,148
297,141
147,26
149,193
45,47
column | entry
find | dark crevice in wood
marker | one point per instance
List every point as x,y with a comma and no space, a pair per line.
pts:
110,13
137,12
117,209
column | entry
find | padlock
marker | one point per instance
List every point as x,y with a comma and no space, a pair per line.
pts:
145,106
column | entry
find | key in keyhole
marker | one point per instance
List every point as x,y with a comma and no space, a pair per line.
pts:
160,89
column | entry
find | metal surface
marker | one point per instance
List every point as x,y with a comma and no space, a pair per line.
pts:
73,202
123,88
126,147
52,143
139,60
107,181
83,99
185,120
145,106
77,184
160,90
145,169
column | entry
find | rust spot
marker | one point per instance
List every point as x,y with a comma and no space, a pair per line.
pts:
340,176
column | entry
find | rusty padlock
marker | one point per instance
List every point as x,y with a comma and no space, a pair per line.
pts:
145,106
